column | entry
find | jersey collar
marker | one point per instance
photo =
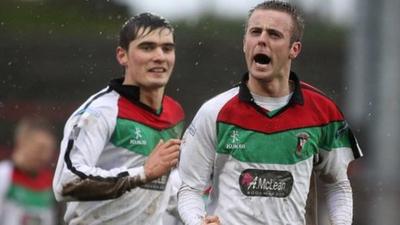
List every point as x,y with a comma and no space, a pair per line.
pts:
297,97
130,92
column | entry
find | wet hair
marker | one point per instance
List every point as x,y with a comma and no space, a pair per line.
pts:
146,23
33,123
297,18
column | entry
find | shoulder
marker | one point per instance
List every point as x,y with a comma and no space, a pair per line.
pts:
215,104
100,107
319,101
102,102
173,105
5,166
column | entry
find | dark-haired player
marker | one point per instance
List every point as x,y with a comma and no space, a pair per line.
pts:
120,145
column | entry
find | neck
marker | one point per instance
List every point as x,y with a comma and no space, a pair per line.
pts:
277,87
152,98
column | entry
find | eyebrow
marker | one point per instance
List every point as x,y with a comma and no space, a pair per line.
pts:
169,44
268,29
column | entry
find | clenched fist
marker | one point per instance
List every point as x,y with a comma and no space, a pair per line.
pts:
164,157
211,220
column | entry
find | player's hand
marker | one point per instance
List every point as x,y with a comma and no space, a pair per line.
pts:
211,220
164,157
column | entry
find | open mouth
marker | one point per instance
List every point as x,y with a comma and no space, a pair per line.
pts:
262,59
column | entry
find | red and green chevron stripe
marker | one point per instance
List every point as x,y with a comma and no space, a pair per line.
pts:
34,191
279,147
171,114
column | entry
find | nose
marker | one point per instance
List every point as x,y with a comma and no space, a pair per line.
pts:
263,38
159,54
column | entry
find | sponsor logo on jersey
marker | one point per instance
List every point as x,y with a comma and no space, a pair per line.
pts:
137,137
302,139
158,184
235,141
266,183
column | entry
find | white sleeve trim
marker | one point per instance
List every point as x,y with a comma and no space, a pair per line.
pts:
137,171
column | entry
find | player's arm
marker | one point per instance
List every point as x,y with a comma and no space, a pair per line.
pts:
78,178
339,202
339,150
195,166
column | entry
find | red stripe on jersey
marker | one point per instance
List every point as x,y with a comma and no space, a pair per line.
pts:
172,113
317,110
40,182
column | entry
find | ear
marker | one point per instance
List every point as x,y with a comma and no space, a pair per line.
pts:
122,56
295,50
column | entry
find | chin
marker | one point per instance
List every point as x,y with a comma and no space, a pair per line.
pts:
260,75
157,84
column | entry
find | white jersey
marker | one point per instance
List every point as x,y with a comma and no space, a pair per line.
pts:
106,142
25,200
258,162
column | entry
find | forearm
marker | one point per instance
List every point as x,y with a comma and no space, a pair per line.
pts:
339,202
191,205
89,188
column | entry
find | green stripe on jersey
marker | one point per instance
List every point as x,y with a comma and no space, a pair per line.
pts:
140,138
287,147
27,197
337,135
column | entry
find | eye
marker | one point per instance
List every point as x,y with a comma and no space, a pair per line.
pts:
147,47
274,34
168,48
255,31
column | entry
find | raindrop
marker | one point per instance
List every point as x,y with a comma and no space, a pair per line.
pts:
369,103
196,63
369,116
177,89
2,23
101,32
200,43
9,63
50,32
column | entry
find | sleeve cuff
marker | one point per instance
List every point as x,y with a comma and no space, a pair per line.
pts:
137,171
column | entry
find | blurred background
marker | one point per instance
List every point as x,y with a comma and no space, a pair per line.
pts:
54,54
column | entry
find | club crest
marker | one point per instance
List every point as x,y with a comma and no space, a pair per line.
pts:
302,139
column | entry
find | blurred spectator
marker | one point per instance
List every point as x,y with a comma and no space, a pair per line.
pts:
25,190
